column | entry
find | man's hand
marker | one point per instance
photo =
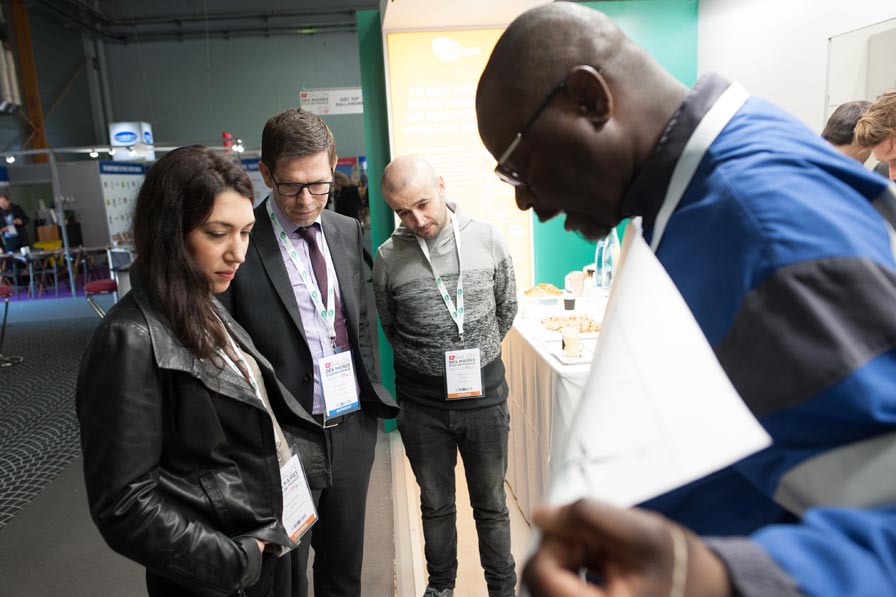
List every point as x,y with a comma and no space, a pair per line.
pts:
633,551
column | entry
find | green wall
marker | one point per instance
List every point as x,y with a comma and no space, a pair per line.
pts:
668,30
376,136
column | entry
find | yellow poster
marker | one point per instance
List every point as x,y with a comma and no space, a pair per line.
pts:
432,93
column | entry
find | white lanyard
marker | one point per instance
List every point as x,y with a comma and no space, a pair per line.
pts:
253,381
326,312
456,314
703,136
248,372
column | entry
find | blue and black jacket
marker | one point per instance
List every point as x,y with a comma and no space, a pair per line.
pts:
780,251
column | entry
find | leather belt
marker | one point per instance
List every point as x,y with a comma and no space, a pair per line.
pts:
333,422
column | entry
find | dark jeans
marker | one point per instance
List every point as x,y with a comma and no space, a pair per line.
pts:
432,438
338,536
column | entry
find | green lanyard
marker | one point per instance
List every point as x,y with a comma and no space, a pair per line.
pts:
326,312
456,314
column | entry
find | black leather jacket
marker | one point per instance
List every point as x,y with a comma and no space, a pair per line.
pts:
179,457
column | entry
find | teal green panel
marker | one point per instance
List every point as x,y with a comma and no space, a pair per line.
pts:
668,30
376,135
557,252
665,28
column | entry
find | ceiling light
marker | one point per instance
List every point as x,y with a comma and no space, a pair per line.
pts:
111,151
10,159
94,153
238,146
132,152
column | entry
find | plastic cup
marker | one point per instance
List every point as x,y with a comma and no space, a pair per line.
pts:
570,341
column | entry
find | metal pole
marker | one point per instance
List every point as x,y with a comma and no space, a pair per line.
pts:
94,90
103,73
60,211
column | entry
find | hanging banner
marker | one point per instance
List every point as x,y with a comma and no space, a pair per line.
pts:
121,182
324,102
432,87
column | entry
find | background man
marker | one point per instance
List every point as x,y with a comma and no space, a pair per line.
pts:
13,220
840,130
446,296
301,297
773,242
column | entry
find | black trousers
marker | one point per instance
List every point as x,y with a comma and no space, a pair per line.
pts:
338,536
275,580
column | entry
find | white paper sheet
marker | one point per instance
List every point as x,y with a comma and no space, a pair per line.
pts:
657,410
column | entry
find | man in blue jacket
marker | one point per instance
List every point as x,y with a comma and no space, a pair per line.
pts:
777,244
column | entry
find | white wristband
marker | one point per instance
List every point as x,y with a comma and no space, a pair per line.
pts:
680,565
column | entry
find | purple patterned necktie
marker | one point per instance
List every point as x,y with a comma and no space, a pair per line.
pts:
319,265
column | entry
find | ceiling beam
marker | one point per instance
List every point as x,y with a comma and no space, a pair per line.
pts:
193,26
34,113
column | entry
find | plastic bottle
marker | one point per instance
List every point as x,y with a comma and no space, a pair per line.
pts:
615,245
610,259
598,264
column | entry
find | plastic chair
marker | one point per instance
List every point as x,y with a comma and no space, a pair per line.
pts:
6,361
46,245
120,260
107,286
41,266
10,269
80,261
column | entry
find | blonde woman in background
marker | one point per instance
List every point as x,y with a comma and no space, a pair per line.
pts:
877,130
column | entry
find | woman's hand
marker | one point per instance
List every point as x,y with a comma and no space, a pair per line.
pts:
634,552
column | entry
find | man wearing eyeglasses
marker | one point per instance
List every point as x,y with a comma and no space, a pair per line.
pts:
446,296
302,297
774,242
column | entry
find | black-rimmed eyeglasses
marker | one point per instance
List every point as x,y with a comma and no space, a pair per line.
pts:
294,189
505,172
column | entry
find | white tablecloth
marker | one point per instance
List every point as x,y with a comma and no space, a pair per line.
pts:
544,397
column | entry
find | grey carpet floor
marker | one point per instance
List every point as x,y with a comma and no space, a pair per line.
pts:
38,427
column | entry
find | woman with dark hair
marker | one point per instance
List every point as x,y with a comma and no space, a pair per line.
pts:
183,456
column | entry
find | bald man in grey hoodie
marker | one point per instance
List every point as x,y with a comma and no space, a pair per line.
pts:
446,331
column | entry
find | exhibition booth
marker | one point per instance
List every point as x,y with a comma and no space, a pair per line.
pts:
419,76
419,69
